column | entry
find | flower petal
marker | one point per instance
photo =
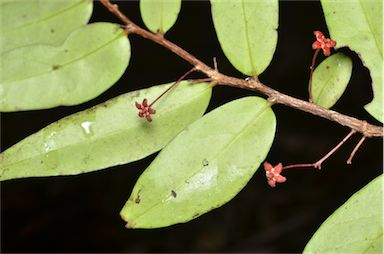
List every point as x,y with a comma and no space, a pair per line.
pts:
267,166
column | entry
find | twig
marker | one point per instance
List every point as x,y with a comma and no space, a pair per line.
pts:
357,125
349,161
318,163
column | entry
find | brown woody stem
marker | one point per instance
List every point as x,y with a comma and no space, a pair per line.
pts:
357,125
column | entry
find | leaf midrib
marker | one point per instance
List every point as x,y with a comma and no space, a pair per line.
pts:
37,21
62,66
371,30
218,154
247,39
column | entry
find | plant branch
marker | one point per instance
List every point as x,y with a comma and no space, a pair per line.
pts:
349,161
318,163
368,130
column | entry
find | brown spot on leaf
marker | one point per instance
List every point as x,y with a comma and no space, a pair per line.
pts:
55,67
173,193
138,199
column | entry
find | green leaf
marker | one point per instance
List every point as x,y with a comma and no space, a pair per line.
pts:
204,167
106,135
90,61
330,79
247,32
356,227
358,25
159,15
40,21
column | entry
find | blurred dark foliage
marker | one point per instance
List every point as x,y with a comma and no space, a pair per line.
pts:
81,213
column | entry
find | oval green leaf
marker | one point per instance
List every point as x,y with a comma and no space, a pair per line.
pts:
40,21
247,32
90,61
106,135
356,227
204,167
358,25
159,15
330,79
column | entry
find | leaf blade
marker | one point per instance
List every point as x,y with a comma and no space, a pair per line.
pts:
363,34
247,32
330,79
44,22
159,15
353,228
108,134
91,60
204,167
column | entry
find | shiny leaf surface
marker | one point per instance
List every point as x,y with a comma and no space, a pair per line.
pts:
106,135
358,25
356,227
90,61
247,32
330,79
159,15
203,167
40,21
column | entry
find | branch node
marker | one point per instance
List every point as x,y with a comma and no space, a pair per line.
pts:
272,100
248,79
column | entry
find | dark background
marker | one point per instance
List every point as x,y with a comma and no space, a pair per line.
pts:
81,213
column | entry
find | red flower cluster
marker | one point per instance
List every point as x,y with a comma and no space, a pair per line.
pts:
145,110
323,43
273,174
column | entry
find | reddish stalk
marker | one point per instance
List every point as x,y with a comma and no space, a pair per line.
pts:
145,110
318,163
172,86
349,161
311,73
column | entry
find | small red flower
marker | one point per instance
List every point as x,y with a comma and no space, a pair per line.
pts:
323,43
273,174
145,110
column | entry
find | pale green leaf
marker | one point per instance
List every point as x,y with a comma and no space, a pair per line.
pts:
90,61
357,24
106,135
247,32
356,227
25,22
159,15
330,79
204,167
